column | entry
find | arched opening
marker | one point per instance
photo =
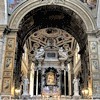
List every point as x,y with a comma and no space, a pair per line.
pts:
60,30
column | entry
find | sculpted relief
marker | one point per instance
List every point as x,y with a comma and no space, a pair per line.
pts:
8,65
95,65
8,62
10,44
6,85
93,47
96,88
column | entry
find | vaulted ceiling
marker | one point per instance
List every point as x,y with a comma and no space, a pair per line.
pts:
52,16
58,37
55,22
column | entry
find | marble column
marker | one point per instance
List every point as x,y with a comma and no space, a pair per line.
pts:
70,78
42,79
32,80
65,82
59,79
37,83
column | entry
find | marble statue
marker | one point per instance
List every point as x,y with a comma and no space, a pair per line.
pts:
25,86
76,86
39,53
62,53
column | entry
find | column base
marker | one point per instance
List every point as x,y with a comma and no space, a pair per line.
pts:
76,97
25,97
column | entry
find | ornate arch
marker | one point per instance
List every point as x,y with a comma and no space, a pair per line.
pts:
73,5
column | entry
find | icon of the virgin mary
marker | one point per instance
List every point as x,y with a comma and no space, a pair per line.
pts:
50,79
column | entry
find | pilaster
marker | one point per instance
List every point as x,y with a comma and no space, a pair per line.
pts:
94,58
2,48
3,12
8,64
98,14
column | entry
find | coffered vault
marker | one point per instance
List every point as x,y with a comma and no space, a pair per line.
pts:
45,37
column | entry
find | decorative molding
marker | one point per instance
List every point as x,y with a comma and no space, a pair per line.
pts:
49,2
7,30
74,5
2,27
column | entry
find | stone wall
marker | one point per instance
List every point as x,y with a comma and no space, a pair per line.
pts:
3,12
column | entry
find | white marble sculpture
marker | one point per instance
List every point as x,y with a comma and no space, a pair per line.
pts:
40,53
76,86
63,54
25,86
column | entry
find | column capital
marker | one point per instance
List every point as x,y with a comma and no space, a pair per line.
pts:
8,30
92,32
98,34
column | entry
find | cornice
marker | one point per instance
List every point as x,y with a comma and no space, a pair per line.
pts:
2,27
